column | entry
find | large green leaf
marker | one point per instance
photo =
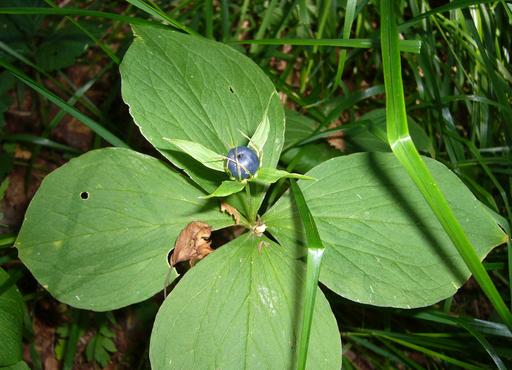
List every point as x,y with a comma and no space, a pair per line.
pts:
298,128
240,309
190,88
11,321
384,245
98,231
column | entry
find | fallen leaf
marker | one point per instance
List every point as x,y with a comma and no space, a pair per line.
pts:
192,244
230,210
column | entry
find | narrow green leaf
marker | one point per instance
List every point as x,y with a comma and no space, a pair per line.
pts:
452,5
408,46
314,260
208,15
434,354
313,239
483,326
6,240
160,14
260,136
98,231
94,126
348,19
267,175
106,48
226,188
489,348
79,12
405,151
38,140
200,153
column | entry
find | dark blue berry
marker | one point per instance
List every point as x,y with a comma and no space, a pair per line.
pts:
242,162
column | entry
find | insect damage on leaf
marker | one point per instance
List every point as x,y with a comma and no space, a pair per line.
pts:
230,210
192,244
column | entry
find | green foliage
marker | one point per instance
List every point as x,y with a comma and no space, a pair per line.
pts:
11,322
384,245
98,232
244,310
118,210
101,346
200,91
60,49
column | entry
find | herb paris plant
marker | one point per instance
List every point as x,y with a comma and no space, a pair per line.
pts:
194,100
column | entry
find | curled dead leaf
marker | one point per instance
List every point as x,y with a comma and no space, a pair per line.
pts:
230,210
193,243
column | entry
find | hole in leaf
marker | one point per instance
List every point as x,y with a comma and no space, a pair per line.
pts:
84,195
231,90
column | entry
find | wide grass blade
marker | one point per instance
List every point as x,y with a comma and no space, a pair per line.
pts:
315,250
405,151
93,125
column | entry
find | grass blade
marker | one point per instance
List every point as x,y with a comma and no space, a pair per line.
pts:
208,18
407,46
93,125
405,151
314,259
98,42
160,14
38,140
79,12
452,5
350,11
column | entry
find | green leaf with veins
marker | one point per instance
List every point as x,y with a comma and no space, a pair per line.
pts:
268,175
190,88
384,245
260,136
227,188
200,153
99,229
239,309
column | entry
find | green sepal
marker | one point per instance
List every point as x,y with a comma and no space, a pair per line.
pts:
200,153
268,175
227,188
259,138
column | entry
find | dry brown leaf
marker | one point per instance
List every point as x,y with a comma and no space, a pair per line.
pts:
336,140
192,244
230,210
22,154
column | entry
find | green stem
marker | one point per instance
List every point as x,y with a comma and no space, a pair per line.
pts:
250,211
